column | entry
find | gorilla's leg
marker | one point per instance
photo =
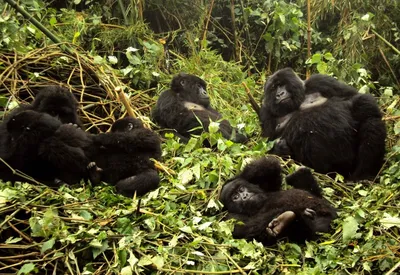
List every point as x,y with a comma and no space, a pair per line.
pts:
371,136
140,183
303,179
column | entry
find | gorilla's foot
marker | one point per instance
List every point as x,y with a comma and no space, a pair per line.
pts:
94,173
277,225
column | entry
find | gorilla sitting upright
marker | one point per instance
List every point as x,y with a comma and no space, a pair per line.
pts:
122,157
267,213
186,106
324,124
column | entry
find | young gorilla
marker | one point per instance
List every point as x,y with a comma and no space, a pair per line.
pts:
324,124
56,101
123,156
268,213
186,106
42,147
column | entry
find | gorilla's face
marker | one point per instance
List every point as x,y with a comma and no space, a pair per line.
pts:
191,89
283,92
126,124
241,197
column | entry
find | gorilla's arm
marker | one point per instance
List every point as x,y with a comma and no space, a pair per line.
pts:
304,179
131,142
264,172
269,123
73,136
328,87
371,132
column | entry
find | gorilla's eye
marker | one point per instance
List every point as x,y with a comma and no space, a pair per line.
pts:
235,196
182,83
130,126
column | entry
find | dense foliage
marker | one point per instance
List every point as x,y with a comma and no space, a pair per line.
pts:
136,46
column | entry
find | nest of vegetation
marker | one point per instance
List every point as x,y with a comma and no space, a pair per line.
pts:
101,93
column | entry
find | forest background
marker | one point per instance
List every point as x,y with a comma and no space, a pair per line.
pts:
107,51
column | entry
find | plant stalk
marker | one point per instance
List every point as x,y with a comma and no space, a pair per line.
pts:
39,25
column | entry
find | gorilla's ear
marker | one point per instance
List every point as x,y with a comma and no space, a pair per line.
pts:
265,172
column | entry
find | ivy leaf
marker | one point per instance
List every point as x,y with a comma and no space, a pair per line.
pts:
26,269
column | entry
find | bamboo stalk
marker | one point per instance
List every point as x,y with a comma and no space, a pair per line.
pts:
208,20
235,53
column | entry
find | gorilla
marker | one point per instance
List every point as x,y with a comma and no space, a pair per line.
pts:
267,213
40,146
123,157
324,124
56,101
186,108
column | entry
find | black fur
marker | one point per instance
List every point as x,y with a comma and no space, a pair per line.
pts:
56,101
170,111
124,157
42,147
344,133
255,198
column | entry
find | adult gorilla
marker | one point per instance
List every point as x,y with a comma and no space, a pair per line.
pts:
324,124
186,109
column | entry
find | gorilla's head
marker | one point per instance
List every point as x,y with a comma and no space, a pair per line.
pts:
241,197
58,102
191,88
283,92
126,124
32,124
247,192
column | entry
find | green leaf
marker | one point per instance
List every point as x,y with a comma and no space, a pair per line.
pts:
27,268
316,58
389,221
282,18
186,229
185,176
127,270
350,227
158,261
48,245
53,21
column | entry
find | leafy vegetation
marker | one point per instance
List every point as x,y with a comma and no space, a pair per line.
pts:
179,227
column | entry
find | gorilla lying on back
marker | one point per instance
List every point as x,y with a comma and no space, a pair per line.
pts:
124,155
268,213
186,106
324,124
42,147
